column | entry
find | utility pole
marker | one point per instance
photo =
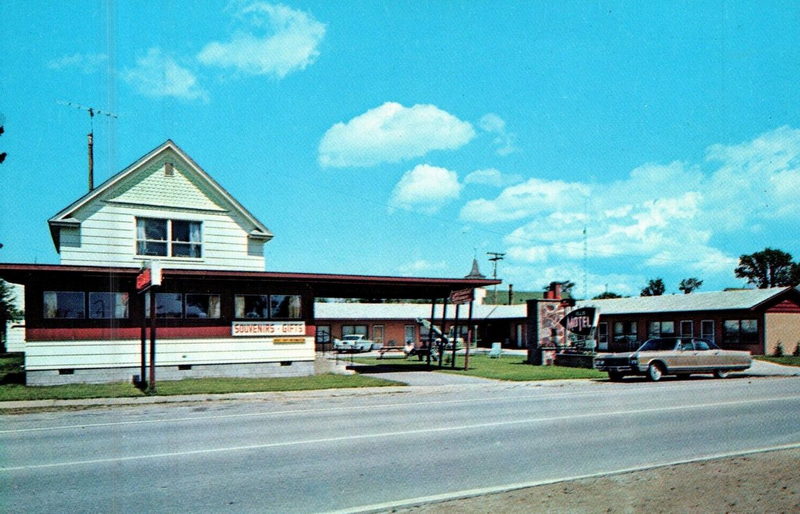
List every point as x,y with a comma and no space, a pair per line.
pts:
92,112
495,257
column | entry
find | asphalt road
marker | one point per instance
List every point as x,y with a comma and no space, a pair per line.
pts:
328,452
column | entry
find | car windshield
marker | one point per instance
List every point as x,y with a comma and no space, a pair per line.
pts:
351,338
658,345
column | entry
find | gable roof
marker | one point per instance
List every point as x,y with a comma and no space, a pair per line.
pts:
744,299
65,217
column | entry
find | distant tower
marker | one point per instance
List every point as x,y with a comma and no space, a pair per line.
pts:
475,273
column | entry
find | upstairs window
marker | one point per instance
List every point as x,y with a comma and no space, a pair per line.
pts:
169,238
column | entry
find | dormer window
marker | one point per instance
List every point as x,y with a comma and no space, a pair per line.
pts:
169,238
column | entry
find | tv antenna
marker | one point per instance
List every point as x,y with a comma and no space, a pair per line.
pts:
92,113
495,257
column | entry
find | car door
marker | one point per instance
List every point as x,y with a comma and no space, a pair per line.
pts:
684,357
707,358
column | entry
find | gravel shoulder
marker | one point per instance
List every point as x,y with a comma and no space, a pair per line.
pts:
760,482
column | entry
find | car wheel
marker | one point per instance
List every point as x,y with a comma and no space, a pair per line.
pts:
721,373
654,372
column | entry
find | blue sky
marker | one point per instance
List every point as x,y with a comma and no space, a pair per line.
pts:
406,138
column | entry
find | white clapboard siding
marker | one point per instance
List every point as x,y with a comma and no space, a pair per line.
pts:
48,355
102,231
108,237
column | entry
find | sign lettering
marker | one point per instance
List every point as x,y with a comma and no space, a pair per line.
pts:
268,328
461,296
580,321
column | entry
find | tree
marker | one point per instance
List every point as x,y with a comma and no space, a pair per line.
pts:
8,311
688,285
606,295
655,287
768,268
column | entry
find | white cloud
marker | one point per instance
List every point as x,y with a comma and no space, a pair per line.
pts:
523,200
277,41
86,63
159,75
491,177
392,133
663,216
421,266
425,189
494,124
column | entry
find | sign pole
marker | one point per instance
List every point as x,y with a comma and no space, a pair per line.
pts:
143,347
444,334
455,337
152,388
469,336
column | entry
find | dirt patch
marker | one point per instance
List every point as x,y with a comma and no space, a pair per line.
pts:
761,482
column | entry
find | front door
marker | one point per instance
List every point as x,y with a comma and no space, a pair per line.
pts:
377,333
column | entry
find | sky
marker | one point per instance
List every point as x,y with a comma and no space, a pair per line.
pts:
603,143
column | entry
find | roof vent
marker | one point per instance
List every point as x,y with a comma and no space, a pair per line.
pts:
169,170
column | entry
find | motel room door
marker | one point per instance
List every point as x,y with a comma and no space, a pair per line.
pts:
377,333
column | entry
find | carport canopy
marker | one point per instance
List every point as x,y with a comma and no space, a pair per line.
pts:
318,285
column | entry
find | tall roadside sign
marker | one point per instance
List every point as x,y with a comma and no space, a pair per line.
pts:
146,281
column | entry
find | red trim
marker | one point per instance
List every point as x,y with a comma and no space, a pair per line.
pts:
268,275
111,334
787,306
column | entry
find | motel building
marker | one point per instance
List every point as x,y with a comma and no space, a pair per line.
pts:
161,253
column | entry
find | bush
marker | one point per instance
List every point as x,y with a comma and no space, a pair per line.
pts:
796,352
778,350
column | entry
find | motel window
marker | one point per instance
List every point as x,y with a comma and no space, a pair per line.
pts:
602,334
64,304
202,306
108,305
661,329
740,331
625,332
323,334
410,332
707,329
687,328
173,238
354,329
168,305
284,306
251,306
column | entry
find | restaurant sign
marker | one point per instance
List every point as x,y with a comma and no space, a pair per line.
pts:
268,328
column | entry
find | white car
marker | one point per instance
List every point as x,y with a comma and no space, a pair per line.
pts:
355,343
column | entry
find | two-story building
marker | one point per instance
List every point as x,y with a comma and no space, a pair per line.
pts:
214,311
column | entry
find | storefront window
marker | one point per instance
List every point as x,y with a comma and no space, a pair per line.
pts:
108,305
284,306
64,304
168,305
202,306
251,306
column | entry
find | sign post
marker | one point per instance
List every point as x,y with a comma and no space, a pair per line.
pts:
459,298
146,281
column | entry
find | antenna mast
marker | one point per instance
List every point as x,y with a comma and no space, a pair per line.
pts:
90,136
495,257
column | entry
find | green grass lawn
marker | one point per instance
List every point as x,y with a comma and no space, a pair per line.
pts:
12,388
786,360
507,367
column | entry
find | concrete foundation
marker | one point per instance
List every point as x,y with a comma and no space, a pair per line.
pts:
107,375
